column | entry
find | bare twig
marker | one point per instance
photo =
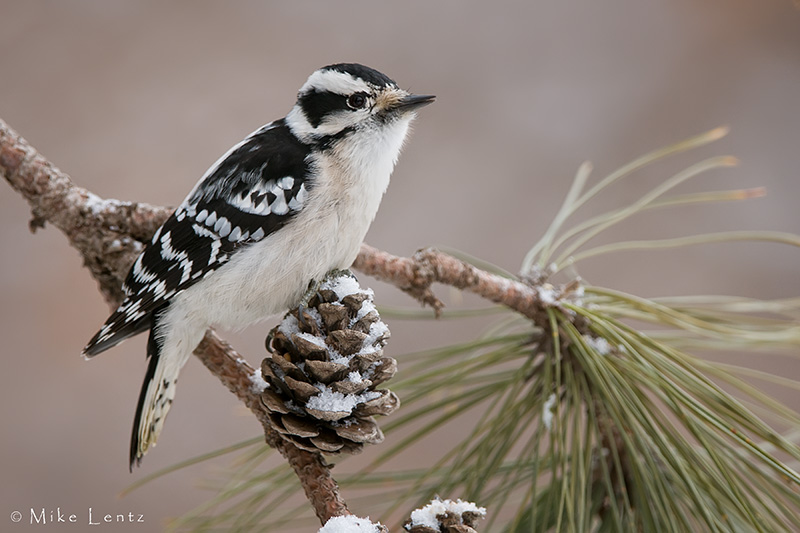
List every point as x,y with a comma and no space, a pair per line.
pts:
415,275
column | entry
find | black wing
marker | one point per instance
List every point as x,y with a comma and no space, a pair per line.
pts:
251,192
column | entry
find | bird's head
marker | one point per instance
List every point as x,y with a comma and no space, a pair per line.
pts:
348,98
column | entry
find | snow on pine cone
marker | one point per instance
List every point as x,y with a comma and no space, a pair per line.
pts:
445,516
323,371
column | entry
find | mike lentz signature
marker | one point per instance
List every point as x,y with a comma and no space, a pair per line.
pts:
91,517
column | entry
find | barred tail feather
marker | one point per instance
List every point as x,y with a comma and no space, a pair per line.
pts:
168,349
138,446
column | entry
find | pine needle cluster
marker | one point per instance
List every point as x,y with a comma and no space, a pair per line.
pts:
603,414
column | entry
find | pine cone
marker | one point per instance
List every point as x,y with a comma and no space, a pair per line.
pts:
324,369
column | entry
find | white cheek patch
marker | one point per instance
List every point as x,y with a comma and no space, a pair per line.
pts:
334,123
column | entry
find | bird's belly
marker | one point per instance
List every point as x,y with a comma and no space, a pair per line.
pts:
271,276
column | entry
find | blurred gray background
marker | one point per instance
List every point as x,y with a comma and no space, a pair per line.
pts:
136,99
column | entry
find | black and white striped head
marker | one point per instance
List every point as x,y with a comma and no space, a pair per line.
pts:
347,97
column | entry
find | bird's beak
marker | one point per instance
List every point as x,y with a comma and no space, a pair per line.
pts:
412,102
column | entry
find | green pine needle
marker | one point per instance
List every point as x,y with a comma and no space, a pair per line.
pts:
584,422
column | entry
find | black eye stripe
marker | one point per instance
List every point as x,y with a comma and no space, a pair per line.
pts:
316,105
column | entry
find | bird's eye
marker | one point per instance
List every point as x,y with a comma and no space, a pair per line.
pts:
357,101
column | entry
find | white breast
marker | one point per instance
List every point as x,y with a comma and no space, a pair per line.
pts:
271,276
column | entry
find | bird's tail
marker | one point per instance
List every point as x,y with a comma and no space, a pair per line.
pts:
167,352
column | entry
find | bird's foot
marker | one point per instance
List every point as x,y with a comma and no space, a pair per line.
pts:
338,273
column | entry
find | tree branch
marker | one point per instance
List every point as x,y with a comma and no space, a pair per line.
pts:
109,234
415,275
312,470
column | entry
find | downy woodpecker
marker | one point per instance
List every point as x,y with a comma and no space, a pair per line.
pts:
280,209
